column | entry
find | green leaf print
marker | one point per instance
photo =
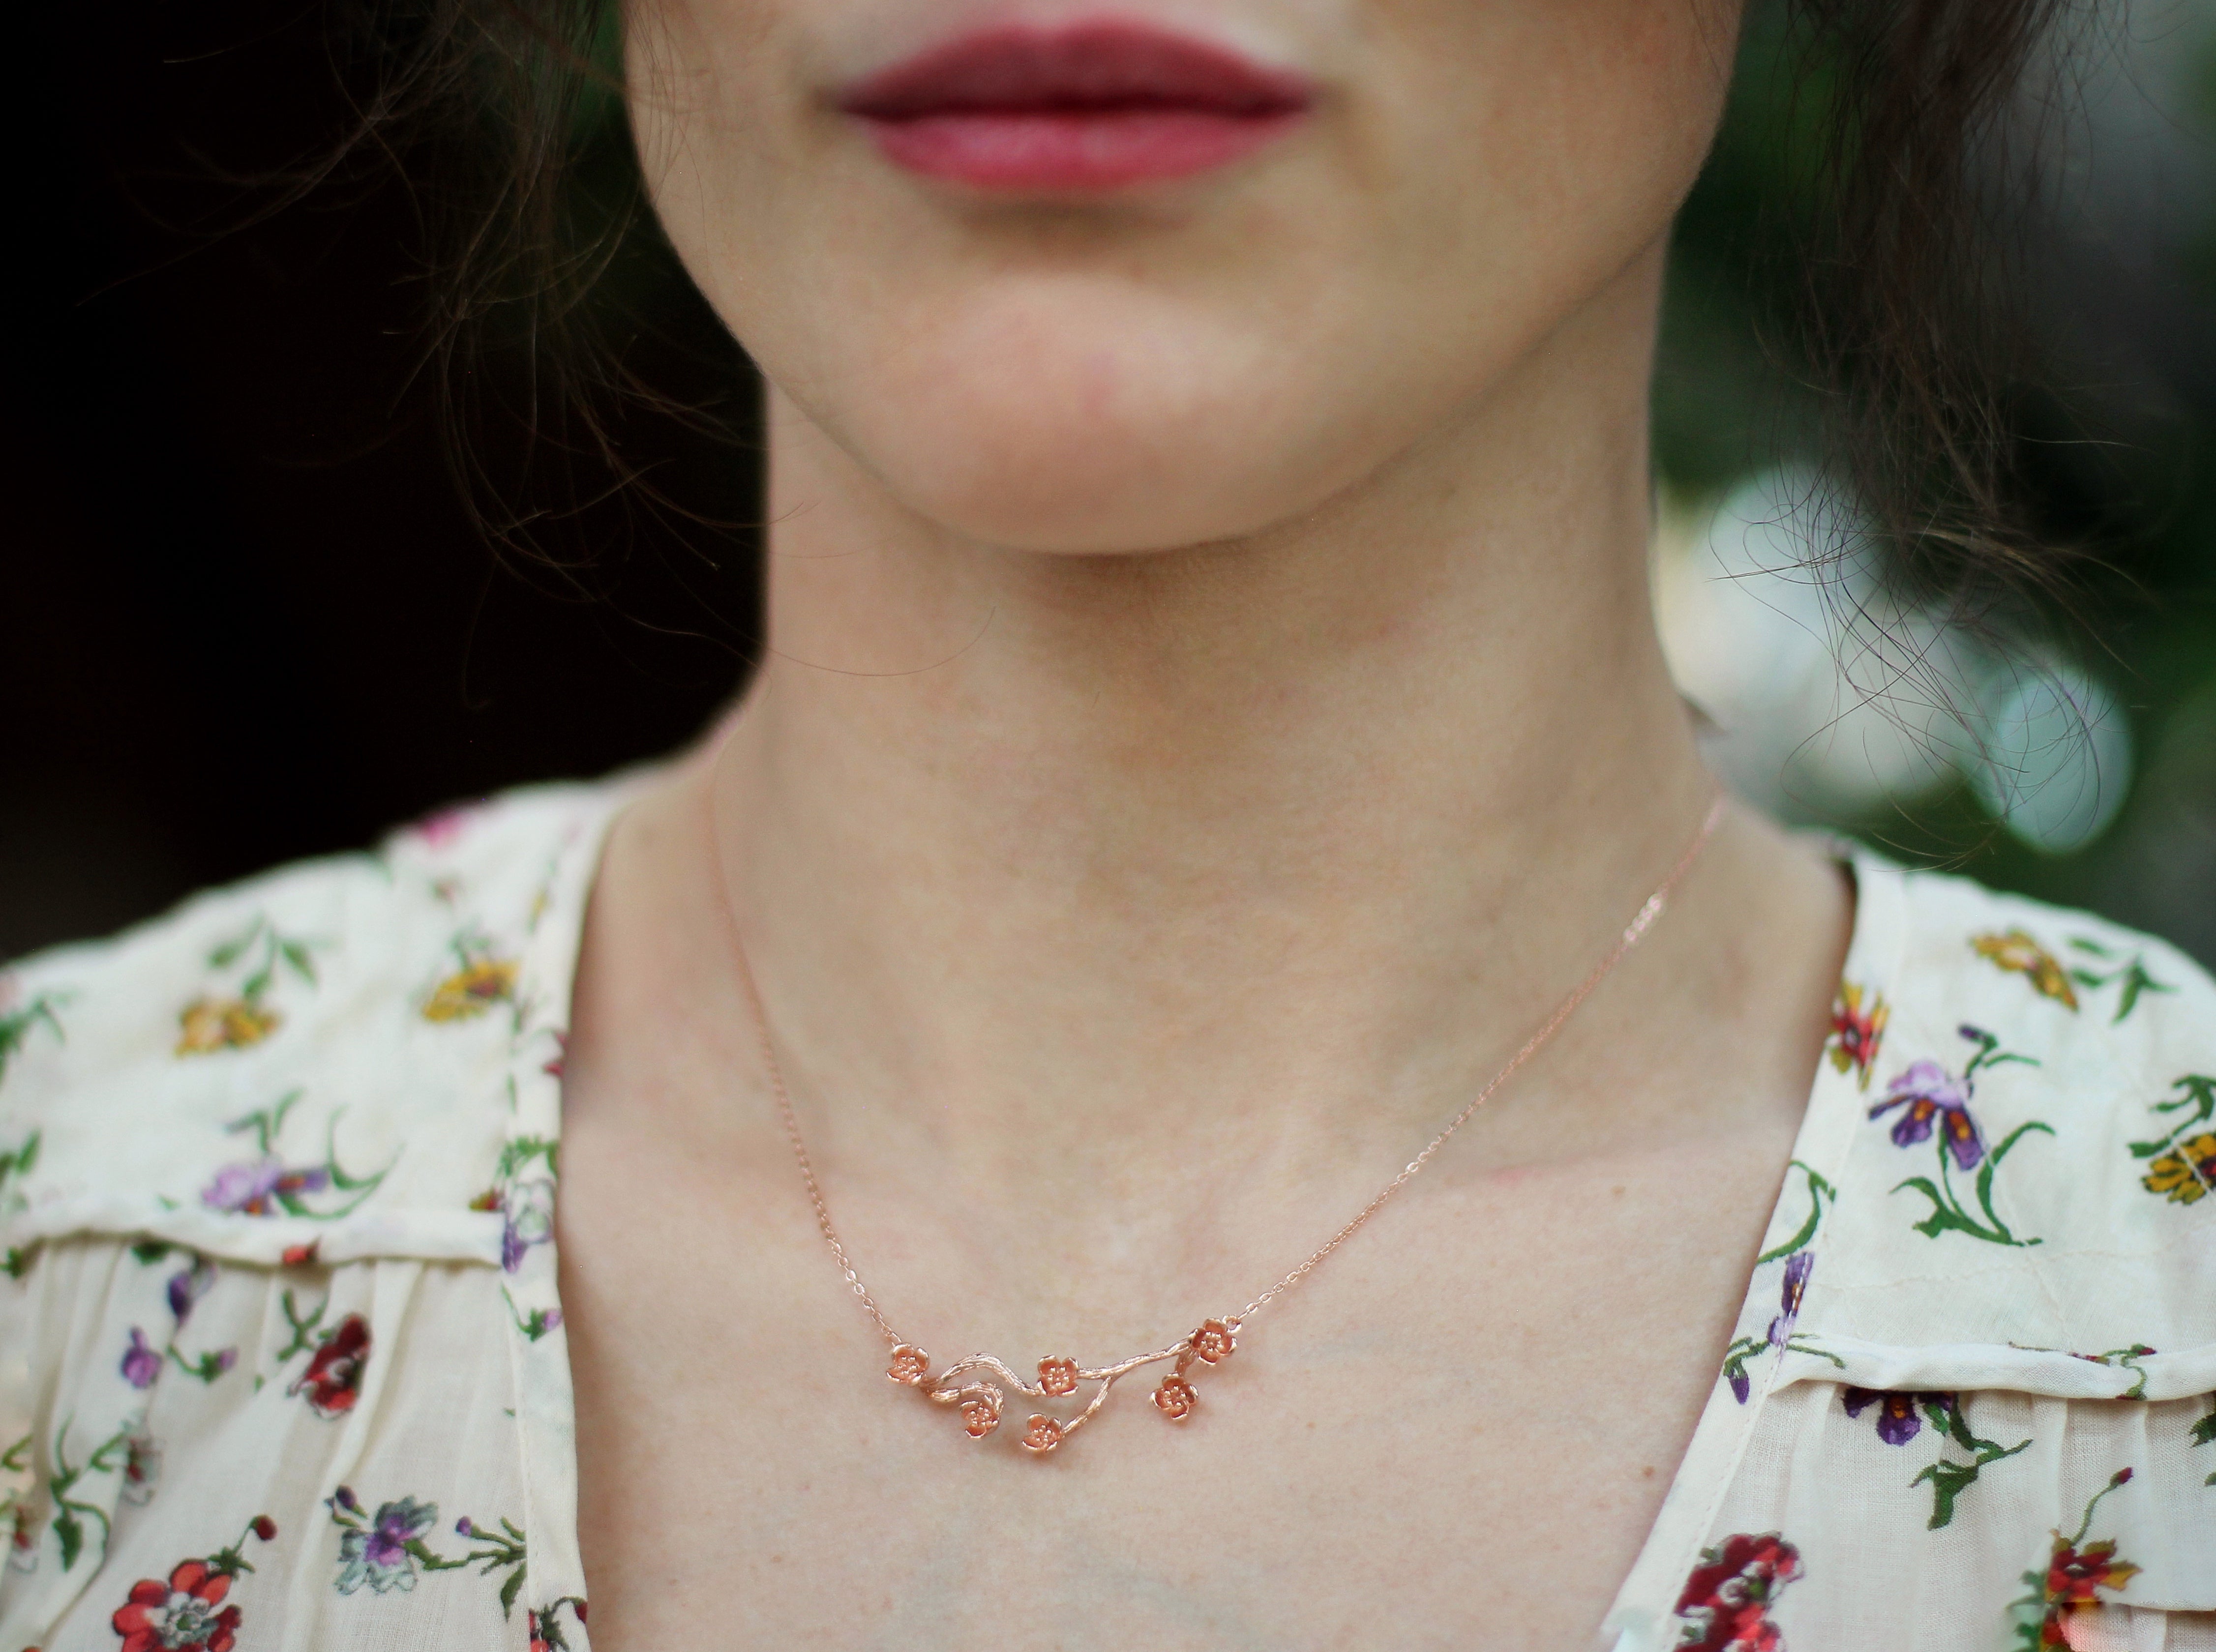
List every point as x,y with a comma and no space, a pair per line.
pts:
2133,977
16,1025
1950,1480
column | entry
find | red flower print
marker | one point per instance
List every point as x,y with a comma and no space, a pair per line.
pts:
301,1256
911,1365
1857,1030
332,1381
1058,1376
1726,1602
2076,1572
187,1614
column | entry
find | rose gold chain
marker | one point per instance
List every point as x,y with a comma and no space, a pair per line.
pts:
980,1401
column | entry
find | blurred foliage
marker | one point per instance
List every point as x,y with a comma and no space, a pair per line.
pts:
2116,453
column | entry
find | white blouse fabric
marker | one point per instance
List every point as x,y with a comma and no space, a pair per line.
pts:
282,1362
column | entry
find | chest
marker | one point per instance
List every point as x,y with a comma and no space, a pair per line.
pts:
1457,1432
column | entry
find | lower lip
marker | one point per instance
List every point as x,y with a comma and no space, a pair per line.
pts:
1059,151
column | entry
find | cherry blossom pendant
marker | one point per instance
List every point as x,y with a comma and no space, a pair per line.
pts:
978,1402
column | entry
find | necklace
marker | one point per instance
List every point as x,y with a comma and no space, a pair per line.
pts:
968,1386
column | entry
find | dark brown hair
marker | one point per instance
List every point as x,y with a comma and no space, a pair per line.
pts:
1904,319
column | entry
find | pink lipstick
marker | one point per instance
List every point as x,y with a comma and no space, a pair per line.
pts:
1090,106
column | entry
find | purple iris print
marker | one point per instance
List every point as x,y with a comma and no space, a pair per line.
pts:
186,1287
527,1215
1797,1266
141,1363
1899,1416
1931,1094
258,1188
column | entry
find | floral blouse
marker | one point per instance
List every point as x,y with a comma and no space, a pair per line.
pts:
282,1360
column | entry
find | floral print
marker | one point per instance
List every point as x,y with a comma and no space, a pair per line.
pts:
1726,1603
267,1185
392,1086
332,1382
547,1624
2183,1168
237,1021
384,1549
186,1612
2015,951
375,1550
2132,978
2186,1172
526,1202
1929,1094
1897,1420
142,1362
18,1019
1900,1418
1800,1263
1857,1030
2076,1571
482,982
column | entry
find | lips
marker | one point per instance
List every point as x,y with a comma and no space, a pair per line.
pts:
1089,108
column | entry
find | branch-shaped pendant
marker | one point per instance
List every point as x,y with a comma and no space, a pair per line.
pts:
981,1402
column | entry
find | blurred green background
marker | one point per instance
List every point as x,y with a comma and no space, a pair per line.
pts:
2077,761
244,615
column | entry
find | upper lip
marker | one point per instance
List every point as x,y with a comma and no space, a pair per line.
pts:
1105,64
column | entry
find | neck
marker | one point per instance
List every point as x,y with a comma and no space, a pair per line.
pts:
1027,847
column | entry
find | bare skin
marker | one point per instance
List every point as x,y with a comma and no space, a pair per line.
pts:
1147,831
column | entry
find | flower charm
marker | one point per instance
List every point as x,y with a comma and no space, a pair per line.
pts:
911,1365
1215,1339
981,1411
1041,1434
1058,1376
1175,1399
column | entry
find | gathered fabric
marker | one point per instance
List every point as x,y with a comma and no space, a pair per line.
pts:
283,1364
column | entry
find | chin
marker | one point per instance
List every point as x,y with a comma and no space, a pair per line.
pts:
1087,436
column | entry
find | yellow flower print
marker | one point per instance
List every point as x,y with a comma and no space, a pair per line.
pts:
472,990
2186,1172
206,1025
2019,954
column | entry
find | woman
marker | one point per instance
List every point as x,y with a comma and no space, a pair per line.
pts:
1213,736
